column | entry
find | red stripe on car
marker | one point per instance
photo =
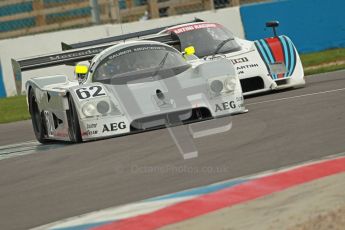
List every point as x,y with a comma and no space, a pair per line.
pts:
277,51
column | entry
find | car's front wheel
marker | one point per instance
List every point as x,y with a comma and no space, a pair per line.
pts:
36,118
73,122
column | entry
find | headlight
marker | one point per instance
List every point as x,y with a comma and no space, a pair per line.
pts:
230,84
103,107
216,86
90,110
99,108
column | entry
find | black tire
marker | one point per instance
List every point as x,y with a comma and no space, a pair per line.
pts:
73,122
36,118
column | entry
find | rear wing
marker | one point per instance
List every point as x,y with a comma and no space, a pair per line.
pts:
70,57
83,51
54,59
137,35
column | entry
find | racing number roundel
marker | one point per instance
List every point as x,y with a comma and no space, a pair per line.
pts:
90,92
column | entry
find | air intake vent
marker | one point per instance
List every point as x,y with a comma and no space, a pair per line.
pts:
252,84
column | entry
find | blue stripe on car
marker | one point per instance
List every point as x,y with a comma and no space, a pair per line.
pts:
286,57
292,55
262,54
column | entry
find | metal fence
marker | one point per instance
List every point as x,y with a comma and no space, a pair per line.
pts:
22,17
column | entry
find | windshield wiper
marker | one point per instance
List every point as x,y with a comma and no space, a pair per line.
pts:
220,45
161,64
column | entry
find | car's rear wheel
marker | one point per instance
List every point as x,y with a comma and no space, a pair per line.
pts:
73,122
36,118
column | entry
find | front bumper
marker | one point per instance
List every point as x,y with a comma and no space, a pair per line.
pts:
200,109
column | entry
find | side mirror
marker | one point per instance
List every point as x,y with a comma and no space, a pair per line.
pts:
273,25
190,50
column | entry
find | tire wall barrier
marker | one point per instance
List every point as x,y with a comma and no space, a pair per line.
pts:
313,25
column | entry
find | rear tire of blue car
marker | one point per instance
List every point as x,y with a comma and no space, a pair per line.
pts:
73,122
36,118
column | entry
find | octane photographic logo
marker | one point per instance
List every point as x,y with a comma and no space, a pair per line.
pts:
172,104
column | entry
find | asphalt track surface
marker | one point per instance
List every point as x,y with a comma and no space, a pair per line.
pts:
281,129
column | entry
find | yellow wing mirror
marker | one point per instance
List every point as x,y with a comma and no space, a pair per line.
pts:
81,69
190,50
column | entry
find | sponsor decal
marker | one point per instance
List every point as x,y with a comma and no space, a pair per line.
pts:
194,27
278,68
76,54
239,98
90,92
90,133
215,57
91,126
114,126
247,66
239,60
119,54
149,48
225,106
137,48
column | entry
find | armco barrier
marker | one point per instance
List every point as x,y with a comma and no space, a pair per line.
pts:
2,86
313,25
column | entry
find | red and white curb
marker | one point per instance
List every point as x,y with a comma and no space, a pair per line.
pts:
173,208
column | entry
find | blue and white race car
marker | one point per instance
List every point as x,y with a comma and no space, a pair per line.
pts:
263,65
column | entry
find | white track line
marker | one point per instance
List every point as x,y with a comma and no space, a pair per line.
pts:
25,148
299,96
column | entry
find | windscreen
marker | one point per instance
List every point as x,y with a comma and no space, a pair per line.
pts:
139,61
206,38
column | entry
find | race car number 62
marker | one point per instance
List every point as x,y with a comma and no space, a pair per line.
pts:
90,92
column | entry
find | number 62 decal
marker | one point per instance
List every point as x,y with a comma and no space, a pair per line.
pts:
90,92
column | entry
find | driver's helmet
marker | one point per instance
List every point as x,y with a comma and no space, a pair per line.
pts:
81,77
81,71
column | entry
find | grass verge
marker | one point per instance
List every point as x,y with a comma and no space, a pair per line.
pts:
324,69
13,109
322,57
323,61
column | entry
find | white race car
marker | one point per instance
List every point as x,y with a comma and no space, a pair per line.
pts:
127,87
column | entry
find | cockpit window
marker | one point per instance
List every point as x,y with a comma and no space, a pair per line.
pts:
206,38
136,60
